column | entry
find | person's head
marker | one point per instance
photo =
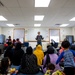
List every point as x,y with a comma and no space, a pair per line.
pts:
38,33
52,40
48,46
50,66
17,39
18,46
29,50
9,37
14,40
50,50
39,47
5,62
9,48
65,44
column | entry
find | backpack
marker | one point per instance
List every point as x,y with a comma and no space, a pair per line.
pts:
58,72
48,72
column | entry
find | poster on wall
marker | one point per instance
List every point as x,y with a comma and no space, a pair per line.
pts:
19,33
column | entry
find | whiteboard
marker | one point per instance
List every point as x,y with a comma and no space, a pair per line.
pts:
19,33
31,34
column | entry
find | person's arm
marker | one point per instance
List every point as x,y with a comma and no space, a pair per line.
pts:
16,71
60,57
36,37
73,52
42,37
44,61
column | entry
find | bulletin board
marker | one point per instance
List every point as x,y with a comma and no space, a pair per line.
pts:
19,33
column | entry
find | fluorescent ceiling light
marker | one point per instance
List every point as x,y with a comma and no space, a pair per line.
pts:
37,25
38,17
64,25
2,18
42,3
73,19
10,25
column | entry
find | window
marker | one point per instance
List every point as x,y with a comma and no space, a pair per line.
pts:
55,35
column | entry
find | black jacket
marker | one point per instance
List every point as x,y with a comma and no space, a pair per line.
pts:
17,55
29,64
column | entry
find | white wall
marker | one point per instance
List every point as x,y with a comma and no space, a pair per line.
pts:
64,32
73,32
31,32
0,30
7,32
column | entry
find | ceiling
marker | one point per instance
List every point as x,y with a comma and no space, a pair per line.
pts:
22,12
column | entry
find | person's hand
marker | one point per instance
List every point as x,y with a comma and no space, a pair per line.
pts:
16,71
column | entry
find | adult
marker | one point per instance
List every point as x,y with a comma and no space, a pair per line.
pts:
39,54
29,64
39,39
17,55
50,57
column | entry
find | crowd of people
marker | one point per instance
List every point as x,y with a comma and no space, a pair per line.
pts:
37,62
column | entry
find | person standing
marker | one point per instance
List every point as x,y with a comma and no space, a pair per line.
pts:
68,55
39,39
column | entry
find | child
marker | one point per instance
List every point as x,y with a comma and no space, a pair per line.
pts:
68,56
50,69
5,62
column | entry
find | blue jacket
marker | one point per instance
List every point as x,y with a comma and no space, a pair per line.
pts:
68,56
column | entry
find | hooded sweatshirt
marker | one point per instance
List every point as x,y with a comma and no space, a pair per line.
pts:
39,54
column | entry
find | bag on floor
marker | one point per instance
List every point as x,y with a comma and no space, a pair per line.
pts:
58,72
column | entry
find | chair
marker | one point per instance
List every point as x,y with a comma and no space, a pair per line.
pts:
56,45
26,44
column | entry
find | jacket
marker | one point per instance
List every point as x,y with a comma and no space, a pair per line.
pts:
39,54
29,64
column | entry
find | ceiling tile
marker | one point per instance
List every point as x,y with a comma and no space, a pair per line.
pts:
10,3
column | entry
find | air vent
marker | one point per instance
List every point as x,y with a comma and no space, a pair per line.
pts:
16,24
57,24
1,4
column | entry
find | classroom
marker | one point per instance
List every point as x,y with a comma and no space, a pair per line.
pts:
23,19
21,13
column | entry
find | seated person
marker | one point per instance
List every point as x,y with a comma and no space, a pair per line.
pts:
9,42
54,44
29,64
18,41
38,52
8,53
14,42
50,69
17,55
5,62
50,57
